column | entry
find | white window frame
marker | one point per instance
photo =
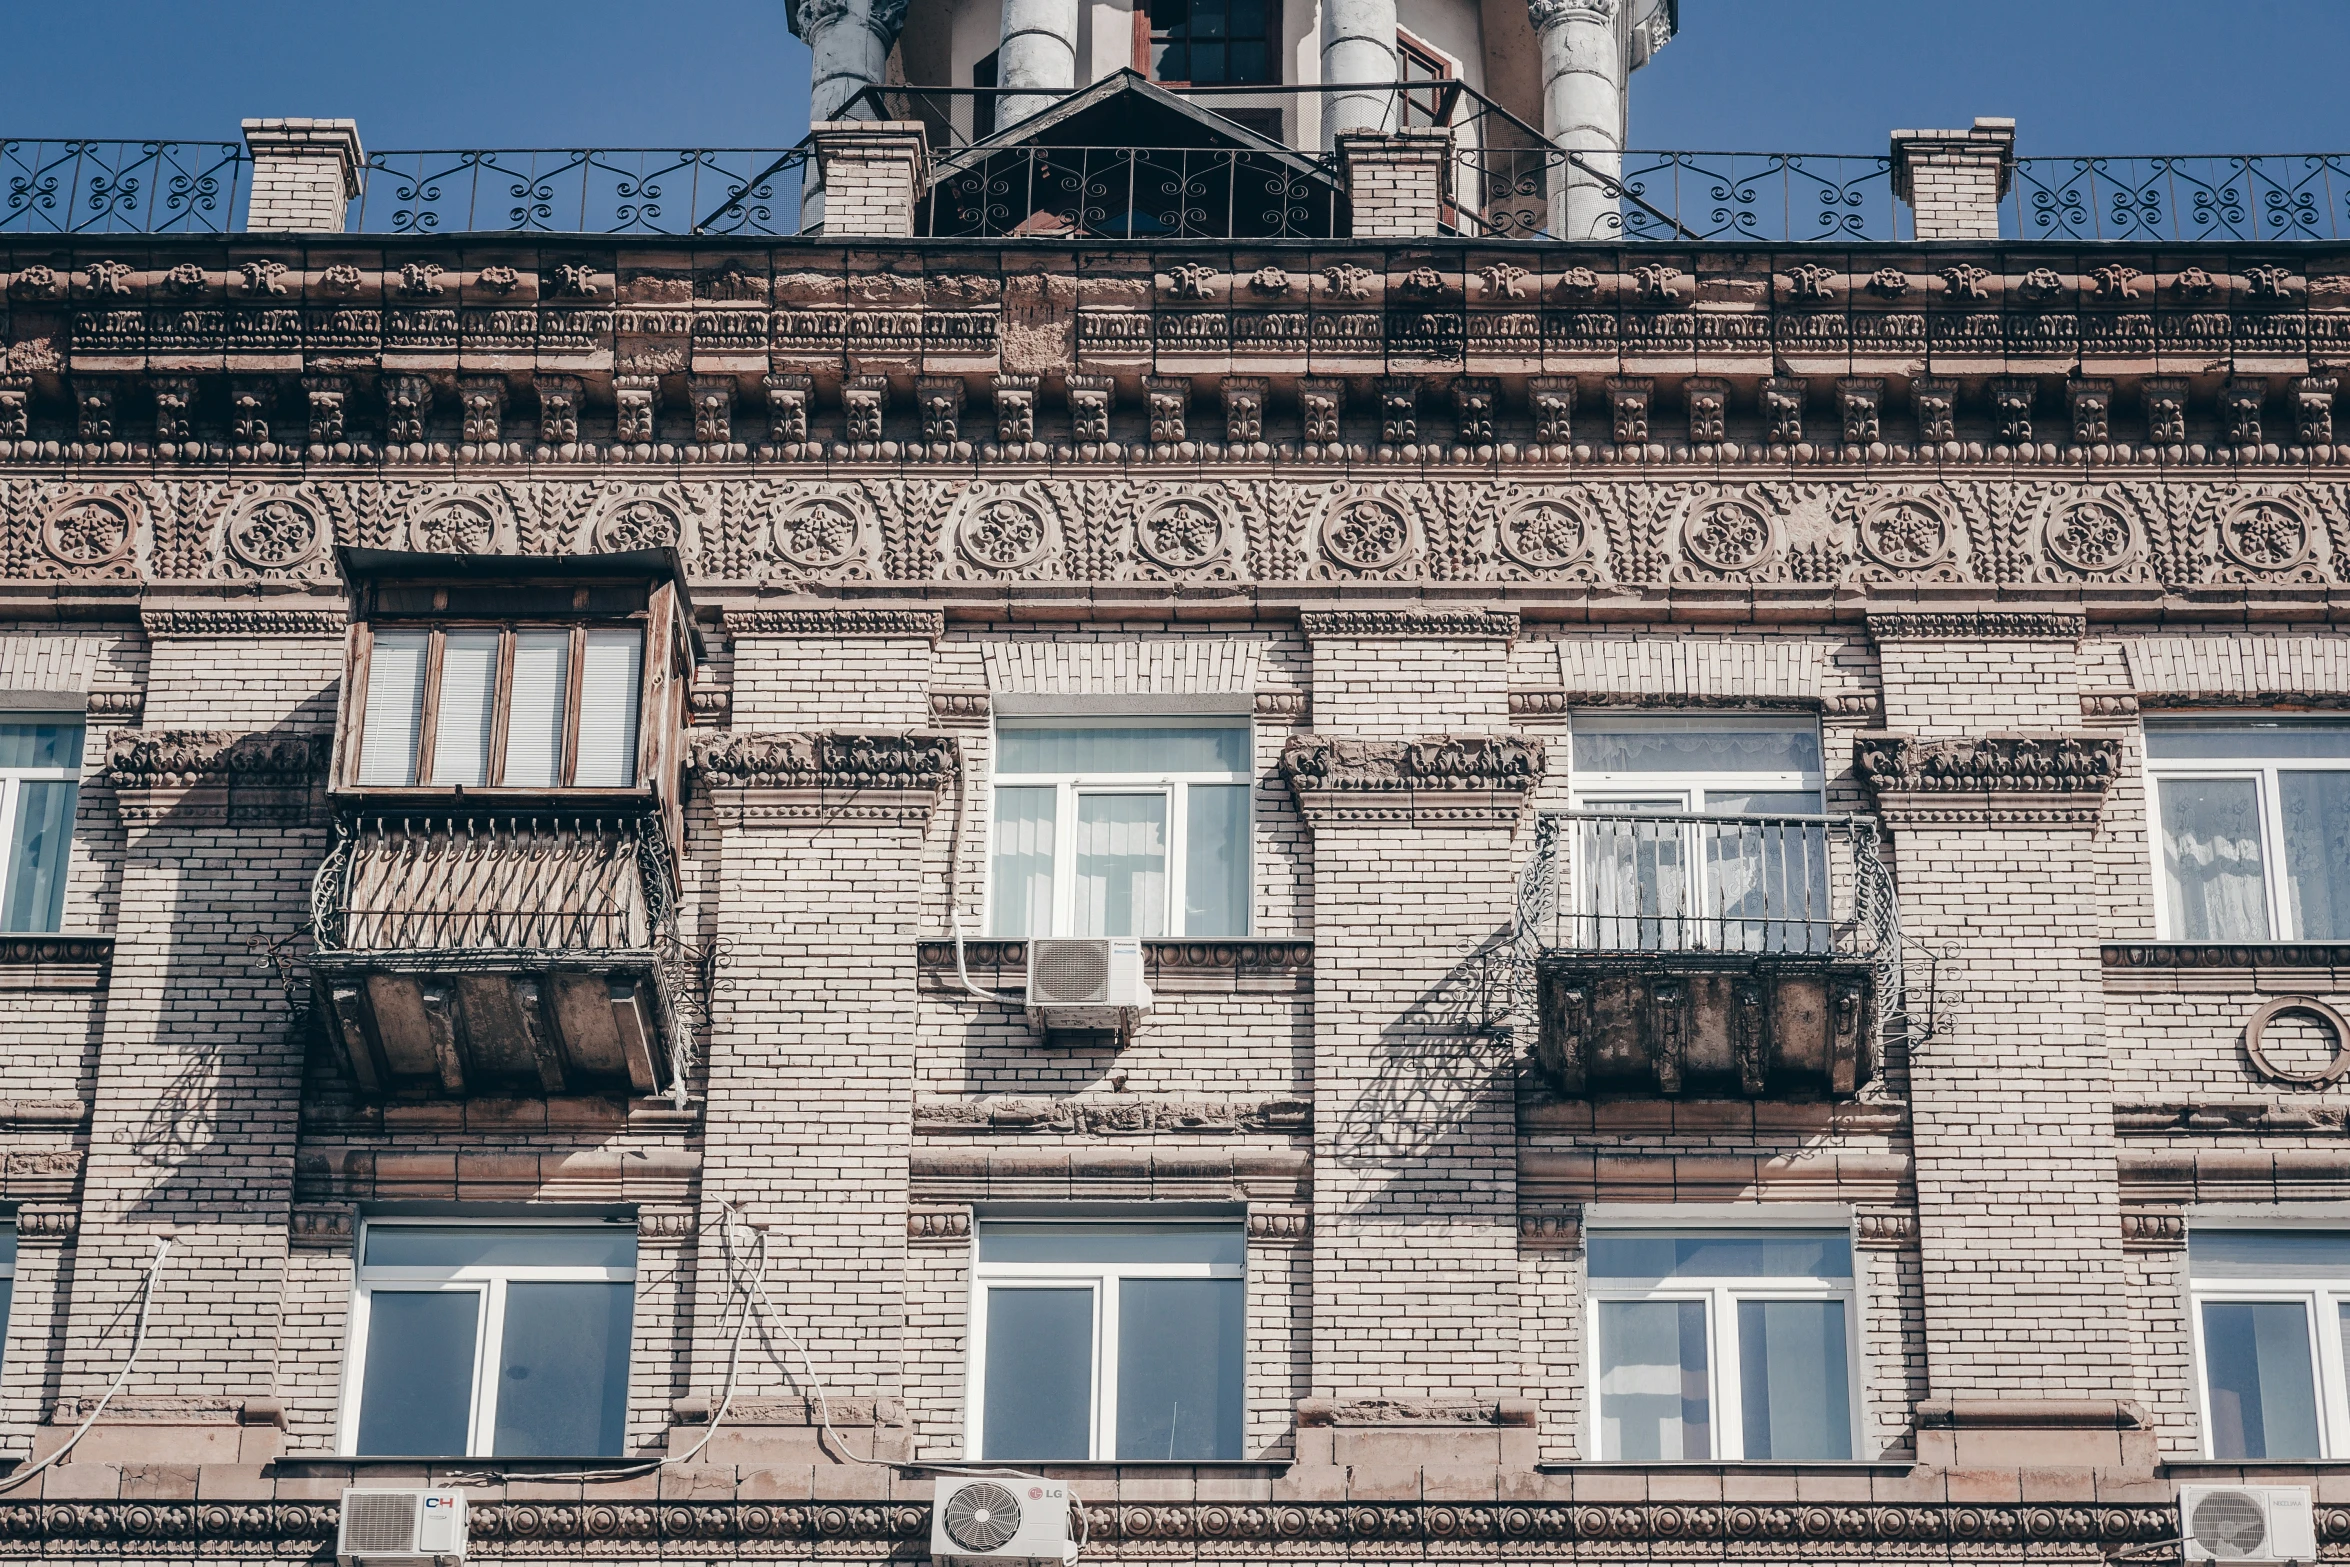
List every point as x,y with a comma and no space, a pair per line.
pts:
490,1283
2321,1301
1101,1280
12,782
1725,1390
1174,787
2269,801
1598,791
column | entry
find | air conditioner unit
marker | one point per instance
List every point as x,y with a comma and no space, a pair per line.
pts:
1008,1518
408,1527
2247,1523
1087,984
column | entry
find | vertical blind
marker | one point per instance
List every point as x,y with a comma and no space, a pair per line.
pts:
537,708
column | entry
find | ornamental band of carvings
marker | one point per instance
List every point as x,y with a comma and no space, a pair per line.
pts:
195,758
923,624
2052,764
1433,764
918,762
1106,1117
1600,535
1976,626
1494,624
244,622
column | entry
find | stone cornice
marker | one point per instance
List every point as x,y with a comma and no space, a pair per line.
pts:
920,762
1430,764
1976,626
2053,779
1123,1115
153,759
244,622
900,624
1382,624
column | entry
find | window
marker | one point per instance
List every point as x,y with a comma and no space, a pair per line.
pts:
1722,1344
2272,1317
1425,106
502,707
40,782
1107,1340
983,104
1214,43
1136,829
1700,832
2252,828
497,1340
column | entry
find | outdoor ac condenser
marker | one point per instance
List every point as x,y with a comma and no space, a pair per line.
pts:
2247,1523
1008,1518
408,1527
1090,984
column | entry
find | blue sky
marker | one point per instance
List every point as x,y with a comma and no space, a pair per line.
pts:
2104,76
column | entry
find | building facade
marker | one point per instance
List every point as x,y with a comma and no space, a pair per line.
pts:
1737,854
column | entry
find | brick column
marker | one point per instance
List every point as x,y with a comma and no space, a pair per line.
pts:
1415,1257
305,173
1993,797
871,173
1396,181
1953,180
197,1093
812,1066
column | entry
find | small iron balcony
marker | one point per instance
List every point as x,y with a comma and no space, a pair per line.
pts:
502,952
1679,954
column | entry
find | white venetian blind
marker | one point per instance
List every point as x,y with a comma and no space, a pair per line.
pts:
395,708
534,723
469,699
608,684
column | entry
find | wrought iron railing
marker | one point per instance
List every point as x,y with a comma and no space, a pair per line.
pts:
2295,196
635,190
1146,193
121,187
491,882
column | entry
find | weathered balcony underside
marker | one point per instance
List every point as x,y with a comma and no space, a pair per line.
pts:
1674,1023
497,954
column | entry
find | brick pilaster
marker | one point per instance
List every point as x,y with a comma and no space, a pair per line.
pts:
1953,180
305,173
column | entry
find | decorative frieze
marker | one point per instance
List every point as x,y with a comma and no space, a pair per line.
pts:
1976,626
2154,1229
1506,764
918,762
912,624
1121,1115
200,758
1280,1226
1499,624
938,1226
1415,1412
41,1223
229,624
2053,779
1885,1229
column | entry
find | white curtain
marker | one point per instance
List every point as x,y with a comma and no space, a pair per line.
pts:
1121,865
2212,859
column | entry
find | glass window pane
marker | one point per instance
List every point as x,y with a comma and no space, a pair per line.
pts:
1179,1368
500,1245
1121,865
534,717
1686,745
38,743
609,677
1766,883
2211,859
394,719
469,695
1635,879
1015,1241
416,1389
2260,740
2263,1402
1753,1254
1151,750
1207,62
40,840
563,1371
1797,1394
1215,861
8,1249
1021,902
1039,1374
1653,1402
2317,853
2268,1254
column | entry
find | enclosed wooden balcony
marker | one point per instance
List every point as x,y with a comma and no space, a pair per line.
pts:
501,953
1752,956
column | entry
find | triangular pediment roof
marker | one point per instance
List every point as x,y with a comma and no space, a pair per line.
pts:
1128,110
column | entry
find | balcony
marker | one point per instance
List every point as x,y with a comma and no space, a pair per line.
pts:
1753,956
494,952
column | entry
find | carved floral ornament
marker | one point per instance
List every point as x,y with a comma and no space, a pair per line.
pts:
89,532
1906,533
821,534
833,761
465,525
2079,764
1437,763
2090,535
1545,535
1003,533
2263,533
273,531
1366,534
1729,536
640,522
1183,534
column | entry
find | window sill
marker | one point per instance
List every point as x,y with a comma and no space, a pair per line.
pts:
327,1464
1733,1466
1209,966
2247,1468
56,961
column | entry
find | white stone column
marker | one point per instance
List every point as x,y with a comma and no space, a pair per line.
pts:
1590,48
1039,50
850,41
1358,45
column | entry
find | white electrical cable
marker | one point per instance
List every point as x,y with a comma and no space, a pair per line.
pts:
956,920
138,1341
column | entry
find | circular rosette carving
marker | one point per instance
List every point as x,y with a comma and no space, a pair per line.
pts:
1366,535
643,523
1004,534
1907,533
1184,536
2090,536
457,527
819,535
273,533
1727,536
89,533
1544,535
2261,533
